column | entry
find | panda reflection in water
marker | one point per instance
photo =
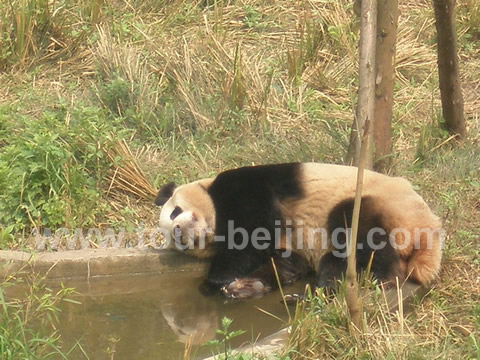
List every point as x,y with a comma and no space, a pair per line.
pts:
296,214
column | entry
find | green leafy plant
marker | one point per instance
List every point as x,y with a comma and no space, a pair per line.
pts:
53,167
6,235
27,324
226,336
252,16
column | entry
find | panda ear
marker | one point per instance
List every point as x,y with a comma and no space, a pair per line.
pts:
165,193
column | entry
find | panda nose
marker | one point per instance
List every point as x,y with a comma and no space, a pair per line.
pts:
177,231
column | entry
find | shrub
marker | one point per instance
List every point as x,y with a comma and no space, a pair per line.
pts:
51,167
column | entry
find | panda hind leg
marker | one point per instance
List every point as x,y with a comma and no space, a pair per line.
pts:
381,260
374,250
332,270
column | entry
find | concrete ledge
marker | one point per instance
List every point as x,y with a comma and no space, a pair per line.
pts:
266,348
97,262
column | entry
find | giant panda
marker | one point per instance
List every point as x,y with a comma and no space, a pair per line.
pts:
290,220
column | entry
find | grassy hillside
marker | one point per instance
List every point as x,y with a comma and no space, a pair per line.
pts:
102,102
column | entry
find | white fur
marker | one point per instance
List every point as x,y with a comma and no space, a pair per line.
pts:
196,223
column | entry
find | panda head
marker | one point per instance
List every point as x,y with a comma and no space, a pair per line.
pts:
188,217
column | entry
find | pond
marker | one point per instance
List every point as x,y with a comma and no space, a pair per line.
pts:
160,316
137,304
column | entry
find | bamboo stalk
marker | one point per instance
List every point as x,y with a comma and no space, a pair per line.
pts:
365,115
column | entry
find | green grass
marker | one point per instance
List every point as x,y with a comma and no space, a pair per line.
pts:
193,88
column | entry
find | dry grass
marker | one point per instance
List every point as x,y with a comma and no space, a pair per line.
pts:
238,83
128,176
321,330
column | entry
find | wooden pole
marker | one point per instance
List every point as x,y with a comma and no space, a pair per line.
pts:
448,72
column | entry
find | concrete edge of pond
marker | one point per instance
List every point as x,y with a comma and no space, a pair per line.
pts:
96,262
265,347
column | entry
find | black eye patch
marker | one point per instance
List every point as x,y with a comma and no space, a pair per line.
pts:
177,211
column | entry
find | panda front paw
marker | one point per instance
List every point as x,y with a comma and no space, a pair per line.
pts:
245,288
293,299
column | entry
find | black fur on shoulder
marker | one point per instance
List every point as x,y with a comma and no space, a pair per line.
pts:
250,196
165,193
385,265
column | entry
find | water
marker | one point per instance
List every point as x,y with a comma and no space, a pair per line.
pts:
158,316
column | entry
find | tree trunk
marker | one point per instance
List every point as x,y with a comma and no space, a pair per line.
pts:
366,93
448,73
387,20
